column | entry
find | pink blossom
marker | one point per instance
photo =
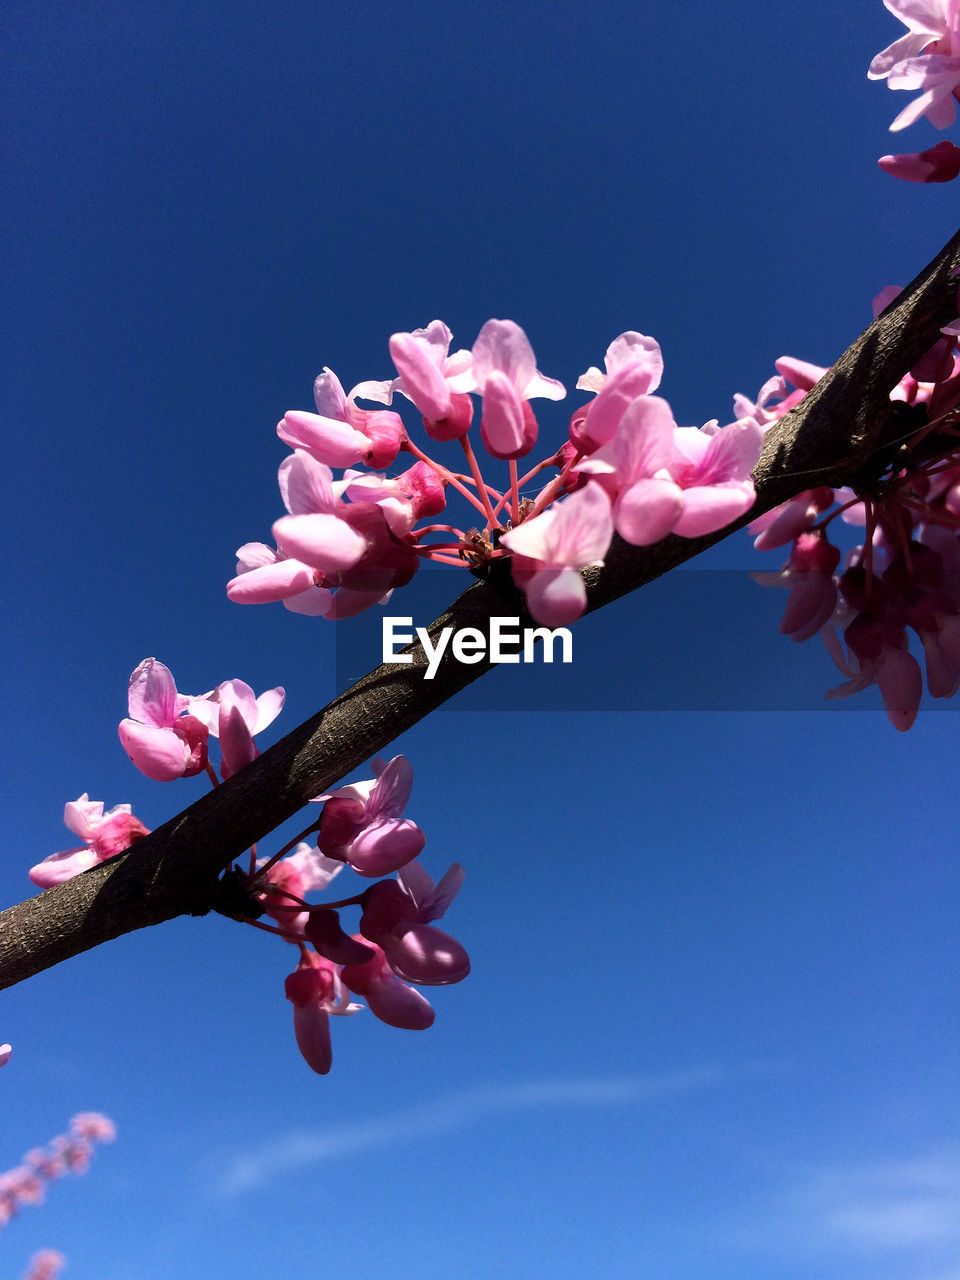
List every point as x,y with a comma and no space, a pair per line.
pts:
390,999
45,1265
780,525
928,58
809,577
506,375
103,834
940,163
397,915
647,501
265,576
233,713
361,823
775,399
315,991
550,550
93,1126
634,367
5,1052
340,434
161,740
315,531
305,870
716,480
879,656
435,381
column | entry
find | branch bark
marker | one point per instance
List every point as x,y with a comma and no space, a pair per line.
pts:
844,428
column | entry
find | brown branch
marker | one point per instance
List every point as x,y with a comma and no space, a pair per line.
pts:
844,427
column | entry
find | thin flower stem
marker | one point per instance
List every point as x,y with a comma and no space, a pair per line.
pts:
548,494
438,528
478,480
514,491
286,848
212,775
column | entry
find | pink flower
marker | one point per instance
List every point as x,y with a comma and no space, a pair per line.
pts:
634,468
389,998
777,527
265,576
775,399
161,740
879,656
316,531
928,58
306,869
550,550
397,915
103,834
361,823
93,1126
435,381
634,367
340,434
5,1052
813,591
937,164
506,375
233,713
717,483
315,991
45,1265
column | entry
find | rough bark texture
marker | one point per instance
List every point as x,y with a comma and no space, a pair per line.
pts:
844,428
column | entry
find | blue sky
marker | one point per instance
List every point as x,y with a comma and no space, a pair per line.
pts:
711,1025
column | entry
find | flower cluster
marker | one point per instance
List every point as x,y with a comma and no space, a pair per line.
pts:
928,59
625,466
361,825
69,1153
905,575
396,948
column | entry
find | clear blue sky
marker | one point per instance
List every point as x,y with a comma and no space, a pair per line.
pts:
711,1029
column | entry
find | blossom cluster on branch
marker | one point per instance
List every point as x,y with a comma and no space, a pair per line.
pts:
906,572
397,949
69,1152
626,466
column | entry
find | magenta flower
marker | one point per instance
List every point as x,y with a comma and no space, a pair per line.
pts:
389,998
505,373
103,834
159,737
233,713
940,163
305,870
315,991
550,550
361,824
397,915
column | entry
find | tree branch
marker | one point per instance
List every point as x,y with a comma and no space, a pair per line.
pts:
844,428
